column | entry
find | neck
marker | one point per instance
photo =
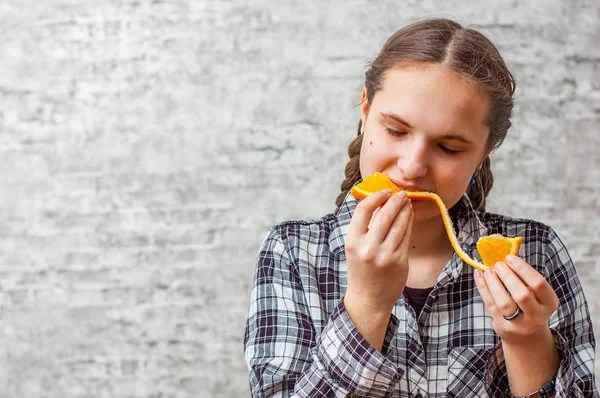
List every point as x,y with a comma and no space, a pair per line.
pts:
429,251
429,238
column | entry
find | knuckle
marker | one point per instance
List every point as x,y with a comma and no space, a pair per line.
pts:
382,260
524,298
538,284
398,198
368,255
507,307
394,202
351,248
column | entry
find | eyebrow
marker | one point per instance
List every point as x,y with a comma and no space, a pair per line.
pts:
397,118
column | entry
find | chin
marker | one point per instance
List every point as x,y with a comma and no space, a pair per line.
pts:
424,210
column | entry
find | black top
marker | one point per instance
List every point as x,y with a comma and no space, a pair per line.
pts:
417,297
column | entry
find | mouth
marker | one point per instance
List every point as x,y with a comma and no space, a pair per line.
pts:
409,187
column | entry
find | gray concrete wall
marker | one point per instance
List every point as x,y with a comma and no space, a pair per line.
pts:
147,146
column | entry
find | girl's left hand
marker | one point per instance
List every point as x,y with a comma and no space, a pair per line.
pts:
511,284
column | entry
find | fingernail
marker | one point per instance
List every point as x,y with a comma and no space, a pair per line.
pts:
402,194
488,273
511,259
499,266
477,274
387,191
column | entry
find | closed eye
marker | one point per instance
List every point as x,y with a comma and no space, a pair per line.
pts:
449,151
395,132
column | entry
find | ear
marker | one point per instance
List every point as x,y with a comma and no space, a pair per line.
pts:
364,105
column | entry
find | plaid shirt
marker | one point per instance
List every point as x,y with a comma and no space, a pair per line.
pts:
300,342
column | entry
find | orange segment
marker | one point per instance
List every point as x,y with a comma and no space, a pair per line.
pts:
373,183
379,181
496,247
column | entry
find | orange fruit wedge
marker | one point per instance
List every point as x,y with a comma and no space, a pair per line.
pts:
492,248
373,183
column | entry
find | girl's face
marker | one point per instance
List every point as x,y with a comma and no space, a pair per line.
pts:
425,129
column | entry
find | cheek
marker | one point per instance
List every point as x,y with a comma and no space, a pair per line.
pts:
455,182
372,155
377,147
454,175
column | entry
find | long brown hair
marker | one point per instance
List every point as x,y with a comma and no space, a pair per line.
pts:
464,51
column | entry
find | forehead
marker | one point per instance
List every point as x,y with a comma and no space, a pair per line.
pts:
433,98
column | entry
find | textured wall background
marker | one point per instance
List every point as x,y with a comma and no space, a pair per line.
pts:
147,146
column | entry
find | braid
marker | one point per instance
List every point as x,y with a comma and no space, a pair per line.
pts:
484,181
352,169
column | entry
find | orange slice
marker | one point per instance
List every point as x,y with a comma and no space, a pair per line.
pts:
493,246
496,247
373,183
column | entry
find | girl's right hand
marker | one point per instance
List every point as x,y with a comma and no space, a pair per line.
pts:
377,252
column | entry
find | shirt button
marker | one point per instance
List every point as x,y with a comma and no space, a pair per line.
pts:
418,395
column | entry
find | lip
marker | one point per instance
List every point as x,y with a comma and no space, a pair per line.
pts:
409,187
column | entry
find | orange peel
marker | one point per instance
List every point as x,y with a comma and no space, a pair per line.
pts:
492,248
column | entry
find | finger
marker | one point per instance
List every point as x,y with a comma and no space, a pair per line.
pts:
519,292
399,228
486,295
403,245
386,216
502,299
373,216
533,280
364,211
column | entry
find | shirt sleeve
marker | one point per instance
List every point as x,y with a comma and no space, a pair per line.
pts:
285,356
571,327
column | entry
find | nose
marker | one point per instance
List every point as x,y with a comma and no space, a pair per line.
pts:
413,160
